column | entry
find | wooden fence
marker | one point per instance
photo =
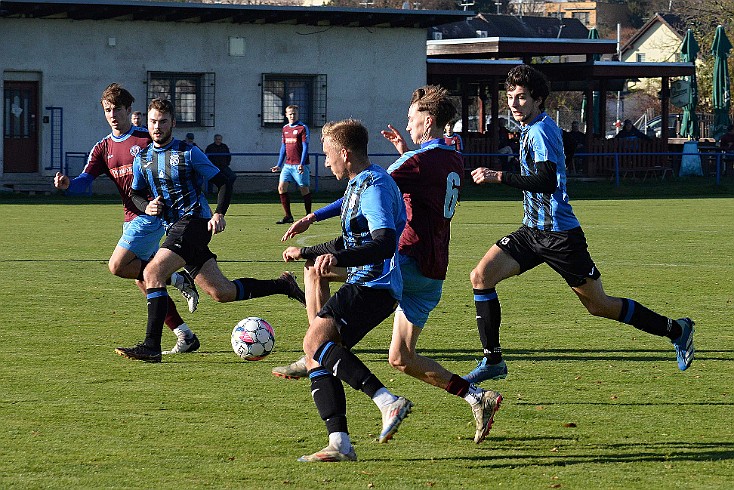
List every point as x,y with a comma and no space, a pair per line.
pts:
636,157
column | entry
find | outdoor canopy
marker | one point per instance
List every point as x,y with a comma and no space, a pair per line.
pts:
721,91
689,124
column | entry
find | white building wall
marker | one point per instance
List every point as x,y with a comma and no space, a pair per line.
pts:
367,77
659,44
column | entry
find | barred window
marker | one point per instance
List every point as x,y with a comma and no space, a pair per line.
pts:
192,95
279,91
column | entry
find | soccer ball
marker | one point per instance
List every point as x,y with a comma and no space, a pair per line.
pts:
253,338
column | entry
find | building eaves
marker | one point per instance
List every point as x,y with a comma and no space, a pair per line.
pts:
138,10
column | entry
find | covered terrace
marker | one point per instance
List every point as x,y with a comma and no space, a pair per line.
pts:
569,64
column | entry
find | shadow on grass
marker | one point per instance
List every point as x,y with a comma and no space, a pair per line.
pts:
661,452
551,355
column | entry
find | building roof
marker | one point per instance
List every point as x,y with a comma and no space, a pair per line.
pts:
511,26
564,76
134,10
671,21
517,47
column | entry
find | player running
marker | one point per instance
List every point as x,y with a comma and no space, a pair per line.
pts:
173,173
141,234
550,233
430,179
372,217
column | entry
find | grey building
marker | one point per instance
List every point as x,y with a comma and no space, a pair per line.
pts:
230,69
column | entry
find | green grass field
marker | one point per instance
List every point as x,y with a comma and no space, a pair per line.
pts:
589,403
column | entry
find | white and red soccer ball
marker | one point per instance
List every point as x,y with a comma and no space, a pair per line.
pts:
253,338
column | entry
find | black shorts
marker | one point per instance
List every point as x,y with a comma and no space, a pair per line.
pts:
189,238
565,252
357,310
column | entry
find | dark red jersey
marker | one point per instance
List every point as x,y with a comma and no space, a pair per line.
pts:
113,156
455,141
295,141
430,179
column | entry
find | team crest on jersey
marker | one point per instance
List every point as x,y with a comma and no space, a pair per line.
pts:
295,131
353,201
174,158
134,150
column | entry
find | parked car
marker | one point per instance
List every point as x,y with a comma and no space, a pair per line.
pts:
510,124
654,128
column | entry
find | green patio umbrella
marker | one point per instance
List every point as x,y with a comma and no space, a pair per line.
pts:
689,124
593,34
721,90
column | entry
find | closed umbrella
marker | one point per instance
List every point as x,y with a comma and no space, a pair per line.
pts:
721,90
689,124
593,34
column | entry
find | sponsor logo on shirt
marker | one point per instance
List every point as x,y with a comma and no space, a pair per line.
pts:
122,170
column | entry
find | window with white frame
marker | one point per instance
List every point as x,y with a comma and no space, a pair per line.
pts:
279,91
192,95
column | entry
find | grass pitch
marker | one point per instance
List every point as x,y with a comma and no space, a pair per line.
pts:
589,403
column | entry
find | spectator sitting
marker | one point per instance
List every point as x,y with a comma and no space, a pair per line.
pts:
630,131
573,142
726,143
727,140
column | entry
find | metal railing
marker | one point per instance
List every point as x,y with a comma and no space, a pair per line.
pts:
620,170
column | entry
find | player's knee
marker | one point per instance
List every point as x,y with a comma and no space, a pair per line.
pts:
115,267
151,277
312,276
309,345
219,295
477,279
596,308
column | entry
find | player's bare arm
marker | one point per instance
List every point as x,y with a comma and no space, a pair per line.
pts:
394,137
291,254
483,175
299,226
324,264
216,224
155,207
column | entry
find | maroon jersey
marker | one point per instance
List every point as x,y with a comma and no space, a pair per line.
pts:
294,148
455,141
113,156
430,179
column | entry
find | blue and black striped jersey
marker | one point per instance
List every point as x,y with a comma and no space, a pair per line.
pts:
176,172
541,141
372,201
